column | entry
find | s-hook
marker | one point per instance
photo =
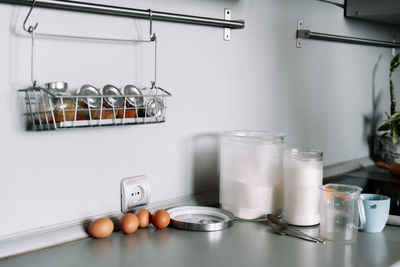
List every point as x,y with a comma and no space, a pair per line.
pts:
31,28
31,31
152,35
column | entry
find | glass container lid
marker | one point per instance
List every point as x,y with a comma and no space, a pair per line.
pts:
198,218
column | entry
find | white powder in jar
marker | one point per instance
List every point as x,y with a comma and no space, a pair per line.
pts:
302,179
249,201
251,173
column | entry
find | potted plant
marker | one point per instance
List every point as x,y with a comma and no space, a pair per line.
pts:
391,127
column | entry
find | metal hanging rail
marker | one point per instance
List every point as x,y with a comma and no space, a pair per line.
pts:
129,12
307,34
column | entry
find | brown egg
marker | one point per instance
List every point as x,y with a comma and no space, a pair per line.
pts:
160,219
129,223
101,228
144,217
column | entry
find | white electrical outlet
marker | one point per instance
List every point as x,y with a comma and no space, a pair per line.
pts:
135,193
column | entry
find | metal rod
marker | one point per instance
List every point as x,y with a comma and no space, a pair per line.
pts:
89,38
307,34
129,12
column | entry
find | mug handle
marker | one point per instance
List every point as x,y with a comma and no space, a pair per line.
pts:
361,212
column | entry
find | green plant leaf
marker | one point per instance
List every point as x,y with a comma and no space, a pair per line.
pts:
384,127
394,117
395,62
392,123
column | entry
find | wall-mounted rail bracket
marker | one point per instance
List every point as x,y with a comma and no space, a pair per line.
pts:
298,35
227,31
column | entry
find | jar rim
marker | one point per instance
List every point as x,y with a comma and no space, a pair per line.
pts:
341,188
251,135
306,154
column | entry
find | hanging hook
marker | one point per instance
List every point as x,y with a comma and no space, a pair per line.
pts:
31,28
152,35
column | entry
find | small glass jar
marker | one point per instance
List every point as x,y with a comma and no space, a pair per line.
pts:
134,101
153,105
89,97
47,102
302,179
64,107
113,102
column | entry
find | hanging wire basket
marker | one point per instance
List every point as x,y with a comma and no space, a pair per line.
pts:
47,111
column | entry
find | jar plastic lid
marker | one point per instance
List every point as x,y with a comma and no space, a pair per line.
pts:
304,154
255,136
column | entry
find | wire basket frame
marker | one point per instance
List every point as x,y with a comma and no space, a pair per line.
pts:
47,111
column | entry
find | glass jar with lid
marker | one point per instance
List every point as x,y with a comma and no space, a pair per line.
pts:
49,100
88,98
251,173
134,101
113,102
153,104
302,179
64,107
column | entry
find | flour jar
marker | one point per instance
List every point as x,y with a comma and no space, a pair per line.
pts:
251,173
302,180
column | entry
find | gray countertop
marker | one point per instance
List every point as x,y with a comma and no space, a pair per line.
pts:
244,244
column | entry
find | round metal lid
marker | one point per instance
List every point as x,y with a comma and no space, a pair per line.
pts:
87,91
198,218
56,86
155,107
110,90
132,90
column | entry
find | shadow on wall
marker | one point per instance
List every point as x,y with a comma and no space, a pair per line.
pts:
205,162
371,120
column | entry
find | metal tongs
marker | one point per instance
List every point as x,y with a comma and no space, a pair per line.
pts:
282,228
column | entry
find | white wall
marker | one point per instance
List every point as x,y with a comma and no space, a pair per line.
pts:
319,95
